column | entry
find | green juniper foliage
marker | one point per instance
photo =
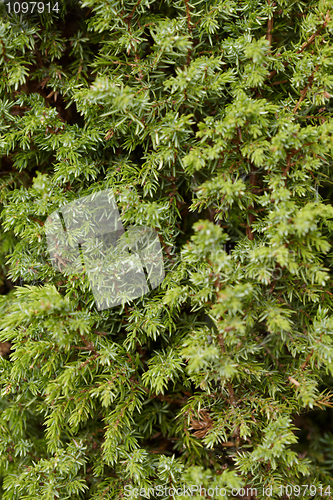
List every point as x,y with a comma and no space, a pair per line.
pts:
211,121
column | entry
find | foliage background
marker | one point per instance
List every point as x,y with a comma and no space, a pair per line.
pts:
212,122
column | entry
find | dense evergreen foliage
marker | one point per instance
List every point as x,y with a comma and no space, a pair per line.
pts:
211,121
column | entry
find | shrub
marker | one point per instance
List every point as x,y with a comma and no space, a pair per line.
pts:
211,123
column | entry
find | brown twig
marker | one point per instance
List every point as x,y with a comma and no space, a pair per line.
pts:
188,17
129,18
251,216
231,394
279,82
301,99
307,360
305,90
305,44
249,232
229,386
39,221
312,37
269,27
